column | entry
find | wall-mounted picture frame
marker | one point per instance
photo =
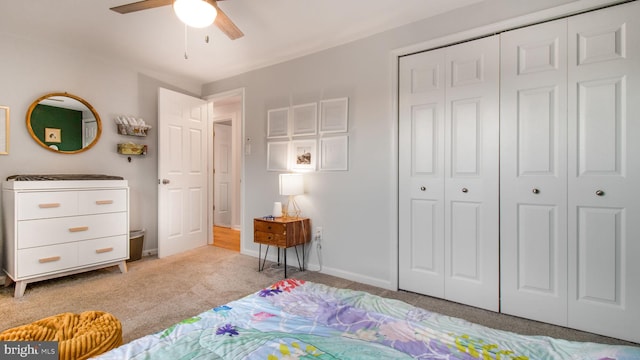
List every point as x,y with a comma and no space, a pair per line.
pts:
278,156
334,114
4,130
52,135
305,119
303,154
334,153
278,123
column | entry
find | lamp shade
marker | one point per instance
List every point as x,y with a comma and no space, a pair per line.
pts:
291,184
195,13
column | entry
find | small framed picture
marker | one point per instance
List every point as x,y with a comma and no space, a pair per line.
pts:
303,155
305,119
278,156
52,135
278,123
334,153
334,115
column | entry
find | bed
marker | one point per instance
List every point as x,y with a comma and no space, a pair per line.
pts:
296,319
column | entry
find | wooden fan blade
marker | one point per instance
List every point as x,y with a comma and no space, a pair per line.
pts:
141,5
225,24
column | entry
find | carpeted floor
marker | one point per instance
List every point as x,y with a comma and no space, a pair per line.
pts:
157,293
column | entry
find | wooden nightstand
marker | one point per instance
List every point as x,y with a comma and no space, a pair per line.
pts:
283,233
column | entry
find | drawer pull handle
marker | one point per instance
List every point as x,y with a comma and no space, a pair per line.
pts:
78,229
104,250
49,259
104,202
49,206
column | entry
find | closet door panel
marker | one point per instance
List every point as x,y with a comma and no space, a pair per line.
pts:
533,180
471,173
604,211
421,173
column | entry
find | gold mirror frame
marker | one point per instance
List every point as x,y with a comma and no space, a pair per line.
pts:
77,98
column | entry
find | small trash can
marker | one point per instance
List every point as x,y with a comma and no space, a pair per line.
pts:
136,238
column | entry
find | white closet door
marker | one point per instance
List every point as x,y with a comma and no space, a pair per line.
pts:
448,180
421,173
604,172
472,173
533,172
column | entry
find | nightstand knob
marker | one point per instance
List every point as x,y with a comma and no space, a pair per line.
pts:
465,190
423,188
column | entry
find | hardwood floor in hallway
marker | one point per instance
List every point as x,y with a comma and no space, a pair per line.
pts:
226,238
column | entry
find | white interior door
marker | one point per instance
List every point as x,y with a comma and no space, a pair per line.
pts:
471,211
533,172
182,183
604,206
222,175
421,173
448,173
89,131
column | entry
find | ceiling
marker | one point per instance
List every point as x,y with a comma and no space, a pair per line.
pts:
155,40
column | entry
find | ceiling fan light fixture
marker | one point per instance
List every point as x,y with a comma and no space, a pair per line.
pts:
195,13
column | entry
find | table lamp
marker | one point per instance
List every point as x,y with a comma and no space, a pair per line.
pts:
291,185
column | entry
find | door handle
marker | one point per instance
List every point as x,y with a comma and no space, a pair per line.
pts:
165,181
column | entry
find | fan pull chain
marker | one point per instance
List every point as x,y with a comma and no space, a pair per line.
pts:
186,56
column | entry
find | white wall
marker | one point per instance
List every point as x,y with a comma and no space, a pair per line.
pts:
358,208
29,69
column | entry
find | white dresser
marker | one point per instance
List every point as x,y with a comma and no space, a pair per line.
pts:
62,227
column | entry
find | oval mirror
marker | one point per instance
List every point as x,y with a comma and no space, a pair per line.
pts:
64,123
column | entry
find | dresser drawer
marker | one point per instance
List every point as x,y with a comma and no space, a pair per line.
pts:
103,250
269,238
43,232
47,259
270,227
46,204
102,201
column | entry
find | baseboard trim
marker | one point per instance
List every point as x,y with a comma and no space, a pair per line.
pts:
149,252
311,266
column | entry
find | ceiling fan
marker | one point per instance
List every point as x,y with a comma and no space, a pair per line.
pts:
222,21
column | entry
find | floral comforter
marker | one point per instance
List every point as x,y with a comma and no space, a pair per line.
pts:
294,319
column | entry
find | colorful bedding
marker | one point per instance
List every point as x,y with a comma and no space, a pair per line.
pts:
294,319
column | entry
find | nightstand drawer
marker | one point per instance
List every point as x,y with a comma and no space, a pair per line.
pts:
269,238
270,227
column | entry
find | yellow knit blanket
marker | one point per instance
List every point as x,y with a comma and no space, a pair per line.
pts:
79,336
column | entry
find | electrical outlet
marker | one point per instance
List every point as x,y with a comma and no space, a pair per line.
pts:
318,234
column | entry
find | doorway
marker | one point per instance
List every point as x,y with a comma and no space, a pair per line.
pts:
225,169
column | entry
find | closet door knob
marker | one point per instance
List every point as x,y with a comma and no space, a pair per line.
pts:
422,188
600,193
465,190
535,191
